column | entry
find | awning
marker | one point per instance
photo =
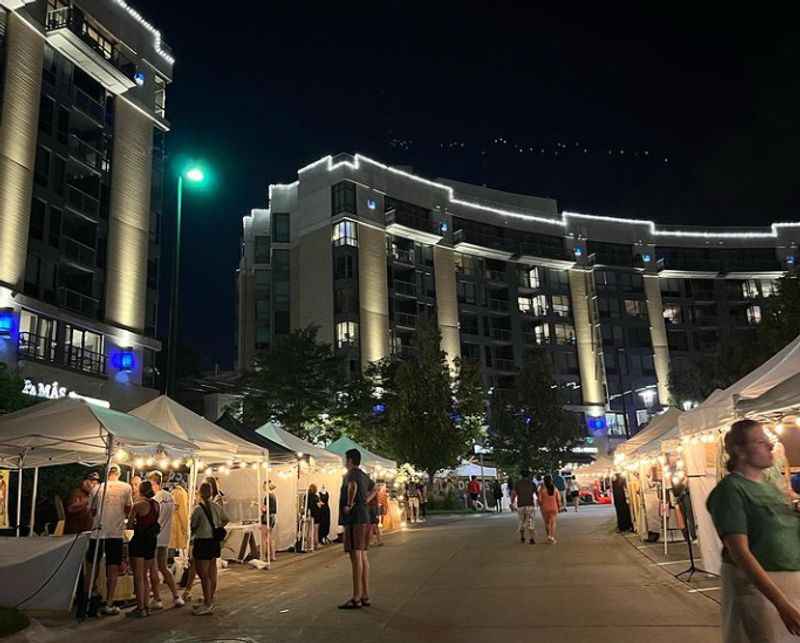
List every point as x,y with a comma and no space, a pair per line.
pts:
368,459
289,441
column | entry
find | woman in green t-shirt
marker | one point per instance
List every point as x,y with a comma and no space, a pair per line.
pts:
760,532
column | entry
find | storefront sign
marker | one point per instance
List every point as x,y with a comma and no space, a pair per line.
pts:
54,391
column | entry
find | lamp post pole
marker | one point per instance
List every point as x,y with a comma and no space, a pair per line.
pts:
173,312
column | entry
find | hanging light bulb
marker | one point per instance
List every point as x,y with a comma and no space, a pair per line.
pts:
138,463
163,463
176,463
779,428
209,472
151,462
121,455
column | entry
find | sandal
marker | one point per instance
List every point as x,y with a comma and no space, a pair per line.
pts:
365,602
352,604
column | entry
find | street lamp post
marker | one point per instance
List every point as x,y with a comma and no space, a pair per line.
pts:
195,175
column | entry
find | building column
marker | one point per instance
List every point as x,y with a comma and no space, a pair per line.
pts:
588,349
658,335
447,303
373,295
129,217
19,129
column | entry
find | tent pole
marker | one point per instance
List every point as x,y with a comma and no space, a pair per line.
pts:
269,532
93,577
258,499
665,509
33,499
19,496
192,485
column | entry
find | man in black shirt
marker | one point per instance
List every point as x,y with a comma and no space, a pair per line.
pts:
357,491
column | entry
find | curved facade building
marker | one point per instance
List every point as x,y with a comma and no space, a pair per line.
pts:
365,250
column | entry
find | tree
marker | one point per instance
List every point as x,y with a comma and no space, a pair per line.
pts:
294,384
11,396
428,413
781,318
528,426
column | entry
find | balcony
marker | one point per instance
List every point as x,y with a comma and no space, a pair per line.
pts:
45,349
405,320
498,305
404,256
89,106
79,253
504,248
74,300
412,225
83,359
84,153
83,203
405,288
36,347
501,334
75,37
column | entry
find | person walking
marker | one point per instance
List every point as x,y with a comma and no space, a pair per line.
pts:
269,507
474,491
207,524
550,505
412,495
497,494
374,513
423,500
166,513
522,501
354,517
116,499
575,492
758,526
324,516
142,548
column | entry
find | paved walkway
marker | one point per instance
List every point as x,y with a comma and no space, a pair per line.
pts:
458,580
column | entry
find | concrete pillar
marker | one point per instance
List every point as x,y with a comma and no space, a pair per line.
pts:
447,302
658,335
373,294
129,218
582,291
19,129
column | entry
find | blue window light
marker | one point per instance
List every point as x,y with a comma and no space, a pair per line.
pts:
6,322
790,260
596,423
138,78
578,252
124,360
646,258
371,204
379,408
443,227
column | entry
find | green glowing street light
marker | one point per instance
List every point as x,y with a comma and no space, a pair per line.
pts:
192,174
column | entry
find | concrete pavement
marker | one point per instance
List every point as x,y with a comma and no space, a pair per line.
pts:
458,580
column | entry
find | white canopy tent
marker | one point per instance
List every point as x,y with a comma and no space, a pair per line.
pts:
375,464
649,438
780,400
467,470
311,464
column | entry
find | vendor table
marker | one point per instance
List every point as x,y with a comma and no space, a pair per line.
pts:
241,540
41,573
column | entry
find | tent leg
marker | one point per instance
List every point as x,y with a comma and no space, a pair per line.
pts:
93,577
665,519
33,500
19,498
269,533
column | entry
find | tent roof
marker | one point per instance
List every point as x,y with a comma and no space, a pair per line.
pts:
368,459
599,467
212,441
467,470
273,432
277,452
783,398
656,430
71,430
718,409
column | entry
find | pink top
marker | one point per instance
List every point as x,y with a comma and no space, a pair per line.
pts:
547,502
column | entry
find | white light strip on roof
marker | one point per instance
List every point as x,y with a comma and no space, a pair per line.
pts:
156,33
358,159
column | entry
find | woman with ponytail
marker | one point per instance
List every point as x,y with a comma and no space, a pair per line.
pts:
550,505
760,533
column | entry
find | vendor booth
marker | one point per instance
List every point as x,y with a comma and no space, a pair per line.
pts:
240,468
63,432
292,476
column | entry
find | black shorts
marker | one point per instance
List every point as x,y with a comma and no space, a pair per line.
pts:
111,548
474,496
142,547
206,549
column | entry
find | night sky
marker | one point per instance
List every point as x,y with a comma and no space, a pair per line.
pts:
676,117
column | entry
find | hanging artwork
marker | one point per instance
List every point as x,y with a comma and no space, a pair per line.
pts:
5,476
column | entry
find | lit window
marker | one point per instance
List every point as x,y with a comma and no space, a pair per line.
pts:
642,417
345,233
754,314
750,289
346,334
561,305
769,287
672,314
635,308
537,306
564,333
542,333
530,278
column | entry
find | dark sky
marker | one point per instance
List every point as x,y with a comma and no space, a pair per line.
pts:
679,117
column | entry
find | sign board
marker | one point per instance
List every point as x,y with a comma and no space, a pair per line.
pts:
54,391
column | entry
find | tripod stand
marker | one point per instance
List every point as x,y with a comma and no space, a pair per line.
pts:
686,506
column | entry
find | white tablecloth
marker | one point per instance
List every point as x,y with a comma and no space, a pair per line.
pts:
232,548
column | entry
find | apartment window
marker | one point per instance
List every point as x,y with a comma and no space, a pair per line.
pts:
769,287
635,308
465,264
638,337
280,227
542,333
642,417
262,277
531,277
615,422
466,292
536,306
59,174
343,198
754,314
42,169
750,289
33,272
262,337
428,286
160,97
559,280
673,314
346,334
262,309
84,350
677,341
63,124
561,306
469,325
49,66
47,107
345,233
262,249
344,268
670,287
54,235
647,364
564,333
345,301
281,322
38,208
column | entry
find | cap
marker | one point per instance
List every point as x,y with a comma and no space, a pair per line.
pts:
93,476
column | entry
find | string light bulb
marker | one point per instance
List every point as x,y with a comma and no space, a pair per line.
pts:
163,463
151,462
121,455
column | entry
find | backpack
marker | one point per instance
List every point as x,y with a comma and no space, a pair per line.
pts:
218,533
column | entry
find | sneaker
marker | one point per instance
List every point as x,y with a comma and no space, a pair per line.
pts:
136,613
178,602
156,605
109,610
203,610
551,540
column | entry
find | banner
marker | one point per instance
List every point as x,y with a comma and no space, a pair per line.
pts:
5,475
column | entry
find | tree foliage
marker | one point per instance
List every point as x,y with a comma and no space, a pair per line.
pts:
11,396
528,426
781,319
295,385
